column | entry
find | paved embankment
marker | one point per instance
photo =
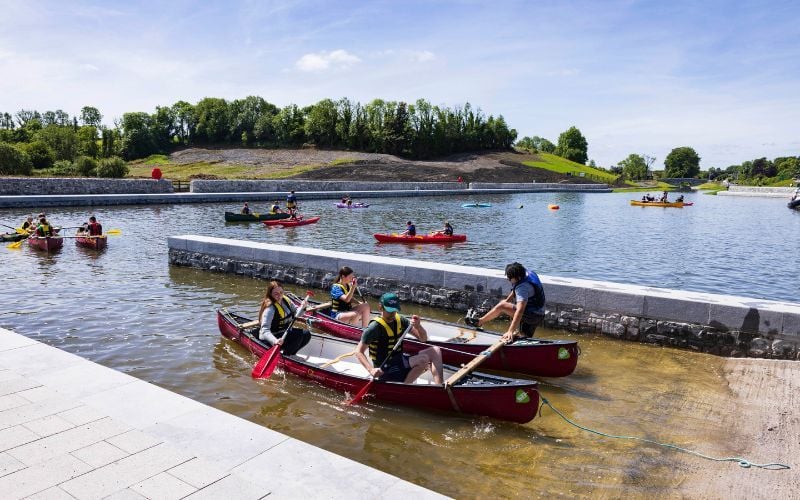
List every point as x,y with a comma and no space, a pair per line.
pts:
70,428
766,192
718,324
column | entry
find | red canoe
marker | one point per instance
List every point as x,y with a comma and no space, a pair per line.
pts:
46,244
427,238
298,222
328,361
460,343
94,242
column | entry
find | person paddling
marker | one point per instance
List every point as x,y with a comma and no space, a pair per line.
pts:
411,229
246,209
446,231
92,228
28,225
276,316
44,228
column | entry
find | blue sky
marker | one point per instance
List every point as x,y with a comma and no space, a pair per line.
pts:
634,77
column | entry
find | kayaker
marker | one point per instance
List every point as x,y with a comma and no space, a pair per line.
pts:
245,209
275,209
679,199
28,224
664,198
524,304
342,308
44,228
446,231
380,337
91,228
411,230
291,204
276,314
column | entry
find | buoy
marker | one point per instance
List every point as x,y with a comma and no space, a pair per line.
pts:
553,207
520,206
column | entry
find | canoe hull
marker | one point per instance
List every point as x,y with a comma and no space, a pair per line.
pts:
298,222
234,217
48,244
12,237
674,204
93,242
539,357
427,238
483,395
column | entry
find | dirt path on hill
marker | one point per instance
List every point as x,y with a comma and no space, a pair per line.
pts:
491,166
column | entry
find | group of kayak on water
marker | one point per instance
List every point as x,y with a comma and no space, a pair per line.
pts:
663,199
376,350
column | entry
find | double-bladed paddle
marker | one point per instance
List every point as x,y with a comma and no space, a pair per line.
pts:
266,365
360,394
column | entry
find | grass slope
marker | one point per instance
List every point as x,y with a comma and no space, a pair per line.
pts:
563,166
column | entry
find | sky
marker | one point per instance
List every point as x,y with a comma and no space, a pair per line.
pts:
644,77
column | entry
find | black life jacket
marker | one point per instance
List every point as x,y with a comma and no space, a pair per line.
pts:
339,305
535,304
282,319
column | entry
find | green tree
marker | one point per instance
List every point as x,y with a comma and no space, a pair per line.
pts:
137,135
40,154
681,162
185,121
213,121
320,123
14,161
113,167
62,140
86,166
91,116
634,167
288,126
87,141
572,145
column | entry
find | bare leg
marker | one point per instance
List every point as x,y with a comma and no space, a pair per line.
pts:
430,358
363,311
349,317
502,307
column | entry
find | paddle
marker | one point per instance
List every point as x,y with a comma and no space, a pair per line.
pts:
15,245
266,365
470,367
360,394
18,230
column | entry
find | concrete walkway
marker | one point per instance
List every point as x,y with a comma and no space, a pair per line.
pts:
70,428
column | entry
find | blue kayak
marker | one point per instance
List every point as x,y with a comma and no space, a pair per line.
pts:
476,205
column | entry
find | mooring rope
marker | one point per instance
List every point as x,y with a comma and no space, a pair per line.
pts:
741,461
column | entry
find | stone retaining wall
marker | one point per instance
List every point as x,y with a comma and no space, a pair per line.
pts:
245,186
540,186
27,186
717,324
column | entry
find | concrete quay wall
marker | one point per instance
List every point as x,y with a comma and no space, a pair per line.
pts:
718,324
767,192
23,186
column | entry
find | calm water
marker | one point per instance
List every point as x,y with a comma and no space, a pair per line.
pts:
127,309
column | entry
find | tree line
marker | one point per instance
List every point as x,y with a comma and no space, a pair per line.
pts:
419,130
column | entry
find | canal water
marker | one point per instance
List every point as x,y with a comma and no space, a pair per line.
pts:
126,308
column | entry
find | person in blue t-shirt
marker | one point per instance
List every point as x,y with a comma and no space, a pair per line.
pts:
411,230
525,304
291,204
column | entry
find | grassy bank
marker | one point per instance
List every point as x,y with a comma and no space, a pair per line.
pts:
186,171
563,166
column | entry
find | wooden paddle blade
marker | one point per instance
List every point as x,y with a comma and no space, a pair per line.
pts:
360,394
266,365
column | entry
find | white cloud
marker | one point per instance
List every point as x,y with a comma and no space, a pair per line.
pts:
422,56
323,61
89,67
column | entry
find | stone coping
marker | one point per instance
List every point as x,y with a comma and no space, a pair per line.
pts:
722,312
70,428
238,197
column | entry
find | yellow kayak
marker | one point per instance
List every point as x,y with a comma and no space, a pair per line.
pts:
638,203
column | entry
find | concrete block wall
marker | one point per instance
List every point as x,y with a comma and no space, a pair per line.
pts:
286,185
26,186
770,192
540,186
718,324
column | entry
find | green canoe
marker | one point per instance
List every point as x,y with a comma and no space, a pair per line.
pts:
236,217
7,237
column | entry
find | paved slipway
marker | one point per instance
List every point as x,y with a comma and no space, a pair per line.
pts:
768,392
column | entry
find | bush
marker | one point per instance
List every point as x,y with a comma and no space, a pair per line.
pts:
40,154
13,161
64,168
113,167
86,166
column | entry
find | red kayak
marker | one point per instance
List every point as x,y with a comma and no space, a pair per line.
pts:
330,362
298,222
427,238
93,242
460,344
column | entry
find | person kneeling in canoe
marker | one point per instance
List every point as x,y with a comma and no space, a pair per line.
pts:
381,336
342,308
524,304
246,209
276,317
44,228
92,228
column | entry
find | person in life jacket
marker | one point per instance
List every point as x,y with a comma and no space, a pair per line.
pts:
446,231
380,338
91,228
291,204
342,308
28,224
276,316
246,209
524,304
411,229
275,209
44,228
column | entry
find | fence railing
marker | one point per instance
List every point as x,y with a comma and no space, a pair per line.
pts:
181,186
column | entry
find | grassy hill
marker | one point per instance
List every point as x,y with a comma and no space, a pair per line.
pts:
563,166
